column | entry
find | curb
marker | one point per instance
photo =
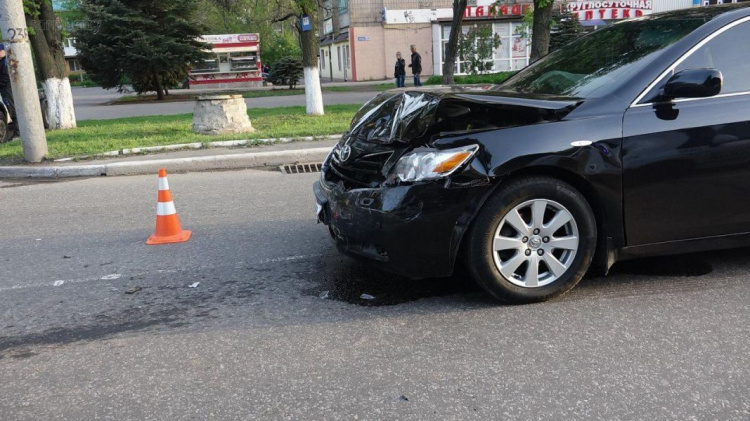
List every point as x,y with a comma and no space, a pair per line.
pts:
201,163
199,145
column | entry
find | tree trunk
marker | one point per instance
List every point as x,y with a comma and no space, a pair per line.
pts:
459,6
309,42
50,56
159,86
540,32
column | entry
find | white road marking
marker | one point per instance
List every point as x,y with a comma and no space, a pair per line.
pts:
111,277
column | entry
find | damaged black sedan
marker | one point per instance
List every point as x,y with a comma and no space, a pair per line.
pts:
631,141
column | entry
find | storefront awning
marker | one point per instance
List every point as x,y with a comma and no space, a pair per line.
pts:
234,49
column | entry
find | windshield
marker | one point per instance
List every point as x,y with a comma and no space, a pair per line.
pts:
594,65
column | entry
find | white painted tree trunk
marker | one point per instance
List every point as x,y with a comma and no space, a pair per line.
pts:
313,94
60,109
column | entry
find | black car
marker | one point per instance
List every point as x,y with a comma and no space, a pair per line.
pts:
631,141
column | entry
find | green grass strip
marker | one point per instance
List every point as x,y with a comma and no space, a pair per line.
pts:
97,136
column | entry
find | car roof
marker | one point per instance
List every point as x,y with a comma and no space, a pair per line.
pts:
714,17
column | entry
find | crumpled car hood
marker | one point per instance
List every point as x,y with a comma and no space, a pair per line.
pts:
406,115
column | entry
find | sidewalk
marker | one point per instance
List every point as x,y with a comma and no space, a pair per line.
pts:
323,84
179,161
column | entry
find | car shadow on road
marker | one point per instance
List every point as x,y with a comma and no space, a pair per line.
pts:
167,304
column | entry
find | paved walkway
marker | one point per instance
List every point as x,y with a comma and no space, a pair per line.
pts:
91,103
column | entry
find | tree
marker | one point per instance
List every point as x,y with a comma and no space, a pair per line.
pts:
286,71
449,65
540,31
309,43
47,44
149,43
279,46
567,29
475,47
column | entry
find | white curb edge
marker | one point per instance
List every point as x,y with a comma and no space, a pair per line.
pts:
201,163
199,145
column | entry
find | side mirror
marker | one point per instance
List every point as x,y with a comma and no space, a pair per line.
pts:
694,83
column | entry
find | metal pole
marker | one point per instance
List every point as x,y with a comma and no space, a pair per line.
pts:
23,80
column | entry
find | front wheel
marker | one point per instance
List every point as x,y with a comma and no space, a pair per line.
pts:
533,240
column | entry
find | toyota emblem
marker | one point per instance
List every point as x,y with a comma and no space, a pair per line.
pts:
345,153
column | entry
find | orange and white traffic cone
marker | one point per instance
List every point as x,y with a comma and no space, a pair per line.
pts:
168,229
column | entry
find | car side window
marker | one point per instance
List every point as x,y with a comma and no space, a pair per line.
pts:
730,54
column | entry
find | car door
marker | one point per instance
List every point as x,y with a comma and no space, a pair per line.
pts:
686,165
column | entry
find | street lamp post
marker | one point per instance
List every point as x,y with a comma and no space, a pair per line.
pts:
23,80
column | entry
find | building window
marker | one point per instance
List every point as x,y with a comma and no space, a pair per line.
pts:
323,59
347,58
338,56
343,6
512,54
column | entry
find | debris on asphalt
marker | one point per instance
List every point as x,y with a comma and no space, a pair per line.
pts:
323,295
38,239
366,297
67,257
111,277
133,290
195,285
58,283
404,398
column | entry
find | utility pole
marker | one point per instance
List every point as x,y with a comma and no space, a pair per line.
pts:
23,80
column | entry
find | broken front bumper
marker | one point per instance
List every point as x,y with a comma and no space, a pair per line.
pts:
410,230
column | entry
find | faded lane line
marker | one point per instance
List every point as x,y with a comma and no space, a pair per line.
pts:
115,276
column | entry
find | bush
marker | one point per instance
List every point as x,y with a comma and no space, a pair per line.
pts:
472,79
81,80
286,71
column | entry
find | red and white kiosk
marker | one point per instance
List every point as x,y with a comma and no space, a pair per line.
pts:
235,63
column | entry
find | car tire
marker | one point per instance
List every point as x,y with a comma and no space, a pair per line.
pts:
497,241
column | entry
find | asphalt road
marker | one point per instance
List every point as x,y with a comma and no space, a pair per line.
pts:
91,103
276,329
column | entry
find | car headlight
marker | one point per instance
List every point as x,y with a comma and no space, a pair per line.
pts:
430,165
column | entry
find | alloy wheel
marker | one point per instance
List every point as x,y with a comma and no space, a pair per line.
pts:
535,243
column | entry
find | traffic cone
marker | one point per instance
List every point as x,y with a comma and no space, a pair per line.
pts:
168,229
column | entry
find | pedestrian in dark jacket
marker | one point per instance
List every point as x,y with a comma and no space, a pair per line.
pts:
416,65
400,72
5,88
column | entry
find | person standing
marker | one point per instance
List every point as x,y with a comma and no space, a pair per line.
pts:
400,72
416,65
5,88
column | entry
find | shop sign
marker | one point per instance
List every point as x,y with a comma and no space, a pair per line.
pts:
363,38
610,10
497,10
489,10
230,38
